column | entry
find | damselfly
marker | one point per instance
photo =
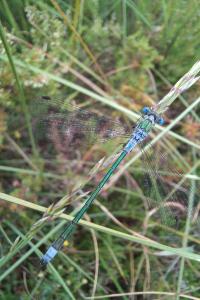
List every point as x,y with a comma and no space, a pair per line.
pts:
76,125
71,125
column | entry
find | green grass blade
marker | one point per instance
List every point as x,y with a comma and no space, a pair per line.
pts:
20,89
8,14
124,25
143,241
29,172
133,6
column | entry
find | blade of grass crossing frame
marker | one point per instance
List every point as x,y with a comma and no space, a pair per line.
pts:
116,233
20,89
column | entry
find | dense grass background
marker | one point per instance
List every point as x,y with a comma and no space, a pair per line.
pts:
113,57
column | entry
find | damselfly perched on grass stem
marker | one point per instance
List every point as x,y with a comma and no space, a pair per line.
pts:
76,123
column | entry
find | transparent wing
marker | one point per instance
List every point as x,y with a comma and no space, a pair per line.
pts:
166,188
58,121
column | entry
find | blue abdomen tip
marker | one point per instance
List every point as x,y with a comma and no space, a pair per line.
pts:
49,255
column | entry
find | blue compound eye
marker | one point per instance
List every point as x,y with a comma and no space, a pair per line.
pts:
146,110
161,121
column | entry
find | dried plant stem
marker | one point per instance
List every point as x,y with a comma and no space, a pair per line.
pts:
182,85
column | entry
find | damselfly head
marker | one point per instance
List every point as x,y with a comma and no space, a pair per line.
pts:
147,111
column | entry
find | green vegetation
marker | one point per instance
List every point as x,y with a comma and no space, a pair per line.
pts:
113,57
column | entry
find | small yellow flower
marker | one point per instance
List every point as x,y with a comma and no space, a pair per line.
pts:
66,243
17,134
